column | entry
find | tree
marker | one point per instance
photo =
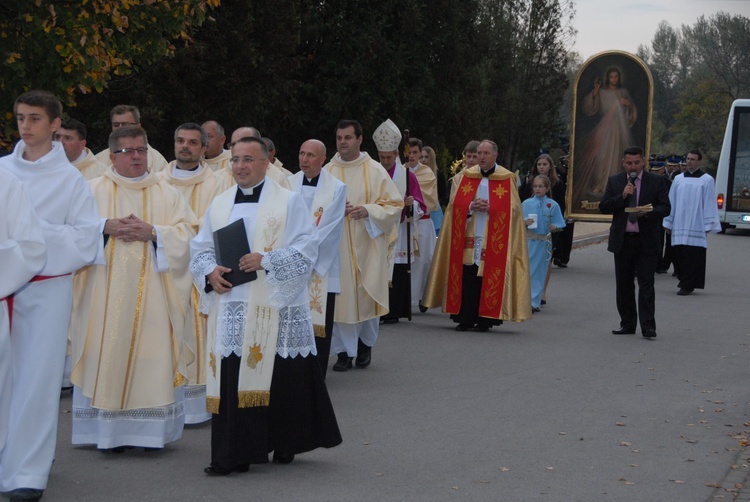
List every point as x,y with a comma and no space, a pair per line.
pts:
74,48
722,44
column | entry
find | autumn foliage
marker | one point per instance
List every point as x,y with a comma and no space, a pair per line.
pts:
72,47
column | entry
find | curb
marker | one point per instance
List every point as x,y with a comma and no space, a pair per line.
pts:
587,240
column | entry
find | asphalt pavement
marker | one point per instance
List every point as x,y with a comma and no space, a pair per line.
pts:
553,409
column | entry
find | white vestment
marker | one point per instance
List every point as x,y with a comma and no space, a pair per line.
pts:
89,165
199,188
220,162
694,211
366,251
129,362
41,312
326,204
228,331
427,239
22,256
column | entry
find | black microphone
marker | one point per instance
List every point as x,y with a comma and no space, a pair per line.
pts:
633,176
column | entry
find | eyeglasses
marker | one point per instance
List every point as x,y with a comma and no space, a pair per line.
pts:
130,151
244,160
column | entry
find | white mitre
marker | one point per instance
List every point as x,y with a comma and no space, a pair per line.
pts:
387,137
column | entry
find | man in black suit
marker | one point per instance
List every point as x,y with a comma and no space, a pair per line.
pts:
634,239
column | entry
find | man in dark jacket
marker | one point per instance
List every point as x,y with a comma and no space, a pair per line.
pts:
634,238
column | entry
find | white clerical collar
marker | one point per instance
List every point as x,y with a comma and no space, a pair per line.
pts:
186,173
138,178
80,158
249,191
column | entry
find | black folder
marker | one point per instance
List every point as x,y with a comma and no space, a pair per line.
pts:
230,244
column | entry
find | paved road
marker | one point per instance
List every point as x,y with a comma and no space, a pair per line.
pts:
554,409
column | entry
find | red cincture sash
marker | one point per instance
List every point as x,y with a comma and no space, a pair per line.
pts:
38,278
9,300
495,254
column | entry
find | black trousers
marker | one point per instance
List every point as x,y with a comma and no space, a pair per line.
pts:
471,290
632,263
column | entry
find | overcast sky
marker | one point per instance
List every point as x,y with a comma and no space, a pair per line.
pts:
623,25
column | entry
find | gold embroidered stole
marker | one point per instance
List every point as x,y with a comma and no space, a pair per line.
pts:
494,252
317,287
262,320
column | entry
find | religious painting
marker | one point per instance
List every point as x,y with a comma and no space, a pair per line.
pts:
612,99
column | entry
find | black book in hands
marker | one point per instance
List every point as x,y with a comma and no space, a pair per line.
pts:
230,244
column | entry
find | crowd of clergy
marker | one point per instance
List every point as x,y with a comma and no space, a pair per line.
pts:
214,287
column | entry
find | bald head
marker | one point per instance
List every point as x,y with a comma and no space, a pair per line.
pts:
312,156
245,132
216,138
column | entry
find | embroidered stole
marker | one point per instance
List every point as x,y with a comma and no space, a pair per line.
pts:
262,321
317,287
494,254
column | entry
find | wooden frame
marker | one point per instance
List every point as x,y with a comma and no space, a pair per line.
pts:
605,121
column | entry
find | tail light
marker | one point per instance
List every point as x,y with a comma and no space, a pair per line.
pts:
720,201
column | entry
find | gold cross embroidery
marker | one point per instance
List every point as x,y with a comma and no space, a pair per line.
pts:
500,191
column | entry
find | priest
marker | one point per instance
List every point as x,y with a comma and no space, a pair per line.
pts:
264,387
190,176
373,208
480,272
129,366
426,228
693,215
325,198
387,137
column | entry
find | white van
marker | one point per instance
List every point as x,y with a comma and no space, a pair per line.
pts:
733,172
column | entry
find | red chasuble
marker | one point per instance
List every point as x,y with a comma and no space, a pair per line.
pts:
495,254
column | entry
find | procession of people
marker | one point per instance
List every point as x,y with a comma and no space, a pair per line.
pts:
215,287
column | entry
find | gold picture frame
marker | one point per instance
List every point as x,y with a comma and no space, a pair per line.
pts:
613,97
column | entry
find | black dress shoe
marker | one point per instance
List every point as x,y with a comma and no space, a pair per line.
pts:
685,291
283,458
364,354
649,333
481,328
25,495
117,449
212,470
463,327
623,331
422,308
343,363
390,320
534,310
544,302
